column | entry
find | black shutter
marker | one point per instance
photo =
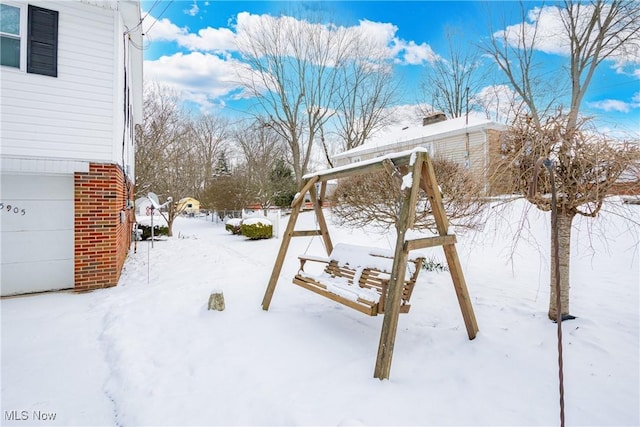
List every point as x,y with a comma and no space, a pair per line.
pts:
42,41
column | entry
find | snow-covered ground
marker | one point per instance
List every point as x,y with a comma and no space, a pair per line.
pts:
148,352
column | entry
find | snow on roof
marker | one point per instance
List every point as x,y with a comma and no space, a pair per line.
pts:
397,135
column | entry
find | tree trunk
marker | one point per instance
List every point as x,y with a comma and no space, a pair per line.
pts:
564,257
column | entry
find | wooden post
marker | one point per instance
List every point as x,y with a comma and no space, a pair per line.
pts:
394,296
429,184
284,246
322,223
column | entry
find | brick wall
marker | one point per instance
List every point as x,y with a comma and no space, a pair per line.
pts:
101,238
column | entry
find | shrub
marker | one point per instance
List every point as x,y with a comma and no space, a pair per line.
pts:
158,230
433,264
257,228
233,225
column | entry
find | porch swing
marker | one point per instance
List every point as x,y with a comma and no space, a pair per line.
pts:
370,280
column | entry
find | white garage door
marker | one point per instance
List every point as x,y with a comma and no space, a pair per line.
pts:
36,229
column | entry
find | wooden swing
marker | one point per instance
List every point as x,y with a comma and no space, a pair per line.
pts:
393,289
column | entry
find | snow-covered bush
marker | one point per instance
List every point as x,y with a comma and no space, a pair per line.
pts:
257,228
158,230
233,225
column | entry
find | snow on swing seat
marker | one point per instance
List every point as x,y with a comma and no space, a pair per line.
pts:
358,277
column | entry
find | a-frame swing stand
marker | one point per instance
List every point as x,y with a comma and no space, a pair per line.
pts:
419,166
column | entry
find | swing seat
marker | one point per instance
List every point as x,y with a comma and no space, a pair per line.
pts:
358,277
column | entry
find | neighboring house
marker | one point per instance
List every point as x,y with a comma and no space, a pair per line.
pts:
143,206
628,184
188,205
71,83
470,141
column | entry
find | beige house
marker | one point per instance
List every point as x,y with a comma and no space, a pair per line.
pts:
188,206
470,141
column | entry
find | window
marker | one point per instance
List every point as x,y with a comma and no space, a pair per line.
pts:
40,40
10,36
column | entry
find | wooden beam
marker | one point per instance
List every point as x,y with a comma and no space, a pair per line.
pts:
429,184
394,295
363,308
429,242
323,192
322,223
306,233
305,188
367,166
393,172
455,269
415,187
277,266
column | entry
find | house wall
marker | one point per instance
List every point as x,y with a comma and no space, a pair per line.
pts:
78,114
102,225
452,147
499,174
81,124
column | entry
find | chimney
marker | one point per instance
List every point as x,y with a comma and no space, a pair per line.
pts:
435,117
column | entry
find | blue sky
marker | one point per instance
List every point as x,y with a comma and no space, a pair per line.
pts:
189,46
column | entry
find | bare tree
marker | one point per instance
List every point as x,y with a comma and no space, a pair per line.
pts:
229,192
261,149
165,160
302,74
450,83
294,67
374,199
210,136
585,166
364,95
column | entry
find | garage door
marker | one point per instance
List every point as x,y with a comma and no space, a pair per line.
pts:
36,228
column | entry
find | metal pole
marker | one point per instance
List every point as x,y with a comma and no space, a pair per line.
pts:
554,221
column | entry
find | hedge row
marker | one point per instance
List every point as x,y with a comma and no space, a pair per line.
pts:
252,228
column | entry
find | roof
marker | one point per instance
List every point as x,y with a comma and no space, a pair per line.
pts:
420,134
186,199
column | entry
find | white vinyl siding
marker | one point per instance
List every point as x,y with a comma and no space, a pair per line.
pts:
70,116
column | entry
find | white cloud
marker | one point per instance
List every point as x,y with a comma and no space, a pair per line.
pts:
207,39
200,77
193,11
614,105
380,37
162,30
499,102
551,35
209,70
410,53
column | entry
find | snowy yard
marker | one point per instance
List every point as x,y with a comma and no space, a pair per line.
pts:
148,352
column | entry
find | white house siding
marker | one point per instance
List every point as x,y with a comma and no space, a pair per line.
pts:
450,148
455,149
70,116
127,54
